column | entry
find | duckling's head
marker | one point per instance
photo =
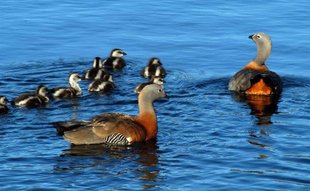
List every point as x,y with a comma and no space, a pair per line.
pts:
154,61
42,90
97,63
152,92
3,100
117,53
74,78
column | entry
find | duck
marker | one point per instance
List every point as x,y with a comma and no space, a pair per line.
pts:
68,92
255,78
3,105
96,72
153,68
102,85
115,60
117,128
31,100
154,80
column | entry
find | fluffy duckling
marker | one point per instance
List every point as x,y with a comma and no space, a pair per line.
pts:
96,72
3,105
102,85
255,78
154,68
115,60
116,128
71,91
31,100
154,80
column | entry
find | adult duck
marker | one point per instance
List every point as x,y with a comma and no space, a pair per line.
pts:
255,78
116,128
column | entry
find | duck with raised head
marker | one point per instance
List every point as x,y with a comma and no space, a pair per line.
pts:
68,92
255,78
30,100
154,80
96,72
105,84
153,68
115,60
116,128
4,105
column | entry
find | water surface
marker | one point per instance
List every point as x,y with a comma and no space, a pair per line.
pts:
207,140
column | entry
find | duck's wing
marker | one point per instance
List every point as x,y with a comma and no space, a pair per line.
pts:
62,127
244,79
107,128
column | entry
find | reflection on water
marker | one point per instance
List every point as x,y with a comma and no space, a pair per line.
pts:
262,107
140,159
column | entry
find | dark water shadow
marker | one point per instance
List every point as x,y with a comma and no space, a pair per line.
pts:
262,107
140,160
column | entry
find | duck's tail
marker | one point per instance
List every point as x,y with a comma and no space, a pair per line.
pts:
62,127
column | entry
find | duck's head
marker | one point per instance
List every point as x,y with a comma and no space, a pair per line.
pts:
97,63
117,53
42,90
3,100
261,39
264,45
152,92
154,61
74,78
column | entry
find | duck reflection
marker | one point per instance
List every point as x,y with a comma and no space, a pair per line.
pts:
262,107
140,160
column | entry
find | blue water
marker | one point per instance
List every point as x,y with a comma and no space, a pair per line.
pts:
207,139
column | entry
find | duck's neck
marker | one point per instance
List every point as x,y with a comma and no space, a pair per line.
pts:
147,117
258,63
263,52
75,86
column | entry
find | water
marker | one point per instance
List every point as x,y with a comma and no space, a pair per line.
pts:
207,140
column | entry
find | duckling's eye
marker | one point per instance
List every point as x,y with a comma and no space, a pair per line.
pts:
160,90
258,36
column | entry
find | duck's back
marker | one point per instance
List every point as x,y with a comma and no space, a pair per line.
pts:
256,82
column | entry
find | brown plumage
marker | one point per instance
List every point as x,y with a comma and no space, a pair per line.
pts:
255,78
116,128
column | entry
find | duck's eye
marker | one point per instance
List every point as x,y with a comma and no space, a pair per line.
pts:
258,36
160,90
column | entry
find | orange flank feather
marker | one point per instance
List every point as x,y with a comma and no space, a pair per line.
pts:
254,66
259,88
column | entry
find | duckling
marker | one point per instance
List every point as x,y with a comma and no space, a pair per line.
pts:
154,68
115,61
96,72
31,100
255,78
102,85
116,128
67,92
154,80
3,105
